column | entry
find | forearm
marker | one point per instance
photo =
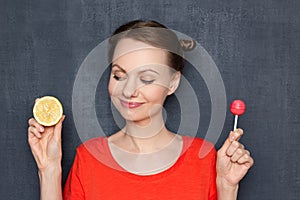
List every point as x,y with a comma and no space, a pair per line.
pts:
50,183
226,191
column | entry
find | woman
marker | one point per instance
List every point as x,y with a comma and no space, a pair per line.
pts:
144,160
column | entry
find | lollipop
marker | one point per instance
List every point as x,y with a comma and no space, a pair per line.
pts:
237,108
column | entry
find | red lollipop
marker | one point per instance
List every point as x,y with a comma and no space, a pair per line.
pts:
237,108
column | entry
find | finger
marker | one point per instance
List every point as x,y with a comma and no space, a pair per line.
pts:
242,146
246,160
34,123
226,144
58,128
247,152
236,135
232,148
237,155
233,136
34,132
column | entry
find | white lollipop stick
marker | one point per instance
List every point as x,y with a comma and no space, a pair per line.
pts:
235,122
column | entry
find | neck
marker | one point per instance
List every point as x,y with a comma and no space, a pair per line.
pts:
150,144
146,128
148,135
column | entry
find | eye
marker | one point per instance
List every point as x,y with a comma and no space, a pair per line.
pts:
147,79
119,76
147,82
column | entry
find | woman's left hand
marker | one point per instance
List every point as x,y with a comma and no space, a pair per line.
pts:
233,160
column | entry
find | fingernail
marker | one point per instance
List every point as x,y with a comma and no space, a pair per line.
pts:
232,137
41,129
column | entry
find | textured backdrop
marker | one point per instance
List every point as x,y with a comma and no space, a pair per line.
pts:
254,43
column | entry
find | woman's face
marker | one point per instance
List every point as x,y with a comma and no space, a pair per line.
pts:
140,80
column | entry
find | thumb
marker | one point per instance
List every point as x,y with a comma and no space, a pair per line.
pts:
58,128
233,136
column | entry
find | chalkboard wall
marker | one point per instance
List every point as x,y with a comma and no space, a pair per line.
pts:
255,44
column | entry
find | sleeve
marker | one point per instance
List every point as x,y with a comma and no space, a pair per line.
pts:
73,188
213,176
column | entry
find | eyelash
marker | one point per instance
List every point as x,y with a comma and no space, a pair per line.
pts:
118,78
121,79
147,82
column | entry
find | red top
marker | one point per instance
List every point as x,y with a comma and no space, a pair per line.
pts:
193,176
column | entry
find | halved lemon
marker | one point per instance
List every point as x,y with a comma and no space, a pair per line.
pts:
47,111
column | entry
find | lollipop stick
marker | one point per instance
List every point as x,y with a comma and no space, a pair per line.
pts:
235,122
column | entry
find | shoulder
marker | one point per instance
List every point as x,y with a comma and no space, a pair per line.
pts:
92,143
95,147
198,146
95,152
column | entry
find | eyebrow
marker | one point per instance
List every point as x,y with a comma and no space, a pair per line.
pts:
147,70
140,72
118,66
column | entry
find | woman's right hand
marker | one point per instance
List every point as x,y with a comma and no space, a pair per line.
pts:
45,143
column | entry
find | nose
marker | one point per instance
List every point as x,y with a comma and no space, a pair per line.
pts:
130,88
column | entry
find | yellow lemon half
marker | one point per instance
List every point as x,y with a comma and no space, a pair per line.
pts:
47,111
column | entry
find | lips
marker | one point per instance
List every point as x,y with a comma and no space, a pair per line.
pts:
128,104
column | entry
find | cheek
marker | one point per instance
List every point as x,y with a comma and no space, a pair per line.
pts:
156,94
110,87
113,87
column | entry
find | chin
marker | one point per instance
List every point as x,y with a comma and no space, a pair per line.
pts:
134,117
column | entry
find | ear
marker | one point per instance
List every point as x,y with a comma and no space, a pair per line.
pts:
174,82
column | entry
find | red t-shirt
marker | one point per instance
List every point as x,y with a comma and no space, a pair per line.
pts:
95,175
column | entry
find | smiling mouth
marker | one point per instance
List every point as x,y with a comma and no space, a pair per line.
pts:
128,104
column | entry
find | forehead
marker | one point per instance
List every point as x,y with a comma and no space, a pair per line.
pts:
131,54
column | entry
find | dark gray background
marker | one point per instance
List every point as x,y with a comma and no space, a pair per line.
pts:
254,43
